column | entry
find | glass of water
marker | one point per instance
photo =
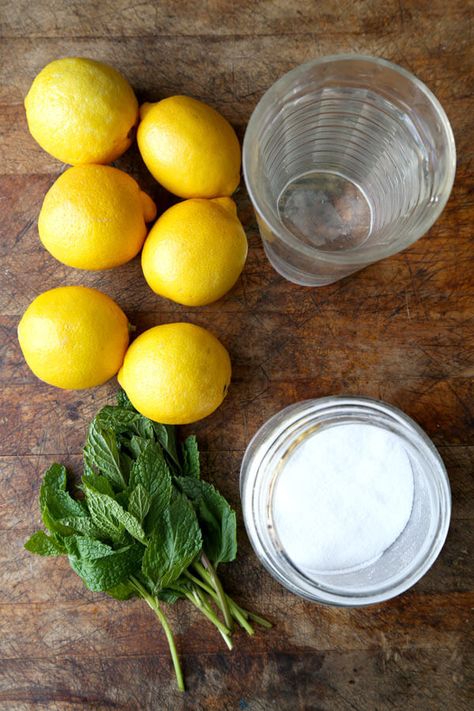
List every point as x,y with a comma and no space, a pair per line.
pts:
347,160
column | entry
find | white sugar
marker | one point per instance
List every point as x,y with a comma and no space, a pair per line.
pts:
343,496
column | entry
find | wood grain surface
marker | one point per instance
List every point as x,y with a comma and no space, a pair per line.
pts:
401,330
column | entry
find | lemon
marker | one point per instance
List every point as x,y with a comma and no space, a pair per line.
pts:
176,373
189,148
93,217
73,337
195,252
81,111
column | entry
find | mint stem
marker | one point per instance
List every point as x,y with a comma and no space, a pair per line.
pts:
241,618
172,645
233,606
206,610
197,581
225,635
213,578
155,606
259,620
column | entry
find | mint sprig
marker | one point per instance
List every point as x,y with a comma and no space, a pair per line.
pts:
146,525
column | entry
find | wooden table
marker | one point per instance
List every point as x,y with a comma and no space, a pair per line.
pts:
401,330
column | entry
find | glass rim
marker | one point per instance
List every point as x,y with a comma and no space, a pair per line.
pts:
355,256
286,573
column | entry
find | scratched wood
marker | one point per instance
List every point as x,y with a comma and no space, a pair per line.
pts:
401,330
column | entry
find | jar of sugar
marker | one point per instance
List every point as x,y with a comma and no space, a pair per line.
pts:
346,501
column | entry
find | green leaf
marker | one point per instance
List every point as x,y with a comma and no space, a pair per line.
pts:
54,479
125,465
42,544
190,455
124,401
101,454
86,469
125,419
54,525
122,591
139,502
105,573
86,548
166,436
61,504
98,482
122,498
120,420
137,445
169,596
116,419
151,472
106,510
56,504
82,525
103,519
216,518
175,542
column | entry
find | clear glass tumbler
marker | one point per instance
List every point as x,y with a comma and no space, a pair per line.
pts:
347,159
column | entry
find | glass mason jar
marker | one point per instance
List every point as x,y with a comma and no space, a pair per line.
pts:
347,160
403,562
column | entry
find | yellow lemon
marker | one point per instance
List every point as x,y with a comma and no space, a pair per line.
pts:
81,111
195,252
73,337
93,217
176,373
189,148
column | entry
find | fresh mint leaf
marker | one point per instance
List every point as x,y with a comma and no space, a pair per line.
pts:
82,525
125,464
153,516
56,504
105,573
122,591
86,548
166,436
53,525
190,455
124,401
124,419
216,518
86,469
137,445
173,545
105,509
120,420
122,498
151,472
54,479
101,454
169,596
98,482
139,502
42,544
116,419
144,427
61,504
103,519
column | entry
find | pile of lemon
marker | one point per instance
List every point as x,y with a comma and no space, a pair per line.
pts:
95,217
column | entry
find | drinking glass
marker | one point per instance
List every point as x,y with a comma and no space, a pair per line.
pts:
347,159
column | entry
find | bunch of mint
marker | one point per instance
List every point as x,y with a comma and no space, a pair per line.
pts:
144,524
